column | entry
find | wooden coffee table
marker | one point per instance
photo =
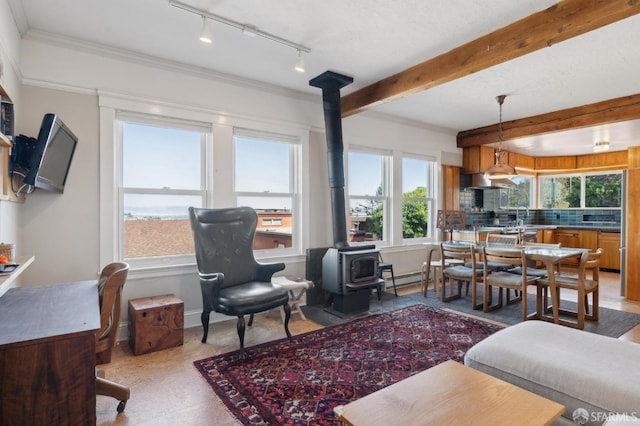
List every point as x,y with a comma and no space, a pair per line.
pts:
450,393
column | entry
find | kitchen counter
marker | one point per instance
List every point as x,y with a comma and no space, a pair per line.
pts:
539,227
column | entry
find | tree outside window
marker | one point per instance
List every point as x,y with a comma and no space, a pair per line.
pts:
585,190
560,192
520,195
603,190
418,177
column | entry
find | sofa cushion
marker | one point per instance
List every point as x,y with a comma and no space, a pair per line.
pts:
575,368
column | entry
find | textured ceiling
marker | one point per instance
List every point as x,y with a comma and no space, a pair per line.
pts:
370,40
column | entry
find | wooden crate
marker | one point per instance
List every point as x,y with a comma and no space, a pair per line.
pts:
155,323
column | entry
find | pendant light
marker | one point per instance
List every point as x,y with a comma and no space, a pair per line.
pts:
500,170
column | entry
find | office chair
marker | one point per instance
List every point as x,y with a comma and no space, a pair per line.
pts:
231,280
110,284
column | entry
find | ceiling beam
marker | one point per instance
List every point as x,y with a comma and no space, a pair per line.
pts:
611,111
560,22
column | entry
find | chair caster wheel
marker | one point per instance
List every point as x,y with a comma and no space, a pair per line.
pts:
121,406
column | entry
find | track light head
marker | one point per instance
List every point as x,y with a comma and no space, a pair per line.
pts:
205,33
300,64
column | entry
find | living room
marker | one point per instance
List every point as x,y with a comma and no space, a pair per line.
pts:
74,234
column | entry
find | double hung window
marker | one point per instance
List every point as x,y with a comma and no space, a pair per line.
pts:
418,197
266,178
162,175
368,200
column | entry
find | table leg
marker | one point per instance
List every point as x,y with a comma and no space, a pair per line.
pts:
555,299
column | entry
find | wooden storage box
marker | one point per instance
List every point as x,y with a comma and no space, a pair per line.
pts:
155,323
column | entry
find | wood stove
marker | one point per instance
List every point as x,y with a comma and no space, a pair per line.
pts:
350,273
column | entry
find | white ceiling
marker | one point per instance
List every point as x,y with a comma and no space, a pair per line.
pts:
370,40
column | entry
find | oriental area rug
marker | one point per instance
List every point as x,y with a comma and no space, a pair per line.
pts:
299,381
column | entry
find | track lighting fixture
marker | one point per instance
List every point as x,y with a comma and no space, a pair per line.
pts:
247,29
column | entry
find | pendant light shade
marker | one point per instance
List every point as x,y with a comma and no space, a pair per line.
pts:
501,169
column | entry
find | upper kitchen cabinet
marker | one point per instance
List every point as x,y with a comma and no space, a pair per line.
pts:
522,161
565,162
477,159
450,187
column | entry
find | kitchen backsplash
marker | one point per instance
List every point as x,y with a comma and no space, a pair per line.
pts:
489,202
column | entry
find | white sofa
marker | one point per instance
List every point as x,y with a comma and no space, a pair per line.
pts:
593,376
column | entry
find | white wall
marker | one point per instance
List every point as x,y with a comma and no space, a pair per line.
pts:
9,60
63,230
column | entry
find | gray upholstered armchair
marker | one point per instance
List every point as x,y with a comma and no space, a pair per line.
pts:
231,280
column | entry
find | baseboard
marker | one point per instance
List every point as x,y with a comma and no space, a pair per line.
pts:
406,279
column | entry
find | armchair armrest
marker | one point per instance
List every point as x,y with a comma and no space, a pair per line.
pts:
265,271
209,285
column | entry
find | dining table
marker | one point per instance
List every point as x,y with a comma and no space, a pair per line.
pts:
550,257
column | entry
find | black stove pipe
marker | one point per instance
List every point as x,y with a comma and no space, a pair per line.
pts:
331,83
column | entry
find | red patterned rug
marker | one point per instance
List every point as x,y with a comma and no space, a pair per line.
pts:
299,381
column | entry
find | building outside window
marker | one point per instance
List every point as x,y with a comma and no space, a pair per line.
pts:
266,177
162,175
418,197
368,195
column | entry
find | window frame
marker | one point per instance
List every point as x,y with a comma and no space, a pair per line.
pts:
582,176
432,202
218,174
384,199
533,192
203,193
295,157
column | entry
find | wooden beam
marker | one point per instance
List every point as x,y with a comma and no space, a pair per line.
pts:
562,21
611,111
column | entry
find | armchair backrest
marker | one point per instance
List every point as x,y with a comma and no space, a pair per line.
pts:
224,242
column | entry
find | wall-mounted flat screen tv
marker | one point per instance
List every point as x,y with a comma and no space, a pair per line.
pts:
51,159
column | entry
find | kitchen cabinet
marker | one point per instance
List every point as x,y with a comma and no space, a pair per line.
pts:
567,162
477,159
522,161
610,244
451,187
568,238
547,236
588,239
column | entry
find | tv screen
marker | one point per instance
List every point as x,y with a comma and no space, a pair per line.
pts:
52,155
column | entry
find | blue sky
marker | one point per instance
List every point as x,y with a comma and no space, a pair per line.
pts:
154,159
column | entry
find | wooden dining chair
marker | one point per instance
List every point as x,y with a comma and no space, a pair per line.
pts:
433,263
583,285
459,274
503,279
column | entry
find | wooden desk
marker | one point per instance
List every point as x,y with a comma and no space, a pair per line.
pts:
47,354
450,394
